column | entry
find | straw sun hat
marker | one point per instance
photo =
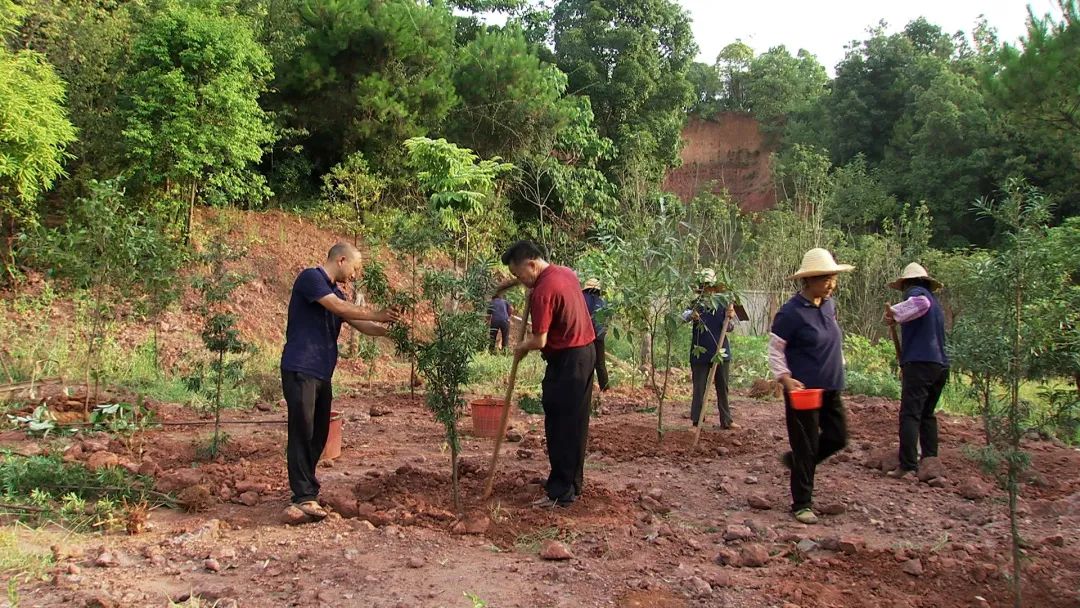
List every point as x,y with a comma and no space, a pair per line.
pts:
916,271
707,277
819,262
593,283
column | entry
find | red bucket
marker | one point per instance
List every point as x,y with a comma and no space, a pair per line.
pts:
486,416
806,399
332,449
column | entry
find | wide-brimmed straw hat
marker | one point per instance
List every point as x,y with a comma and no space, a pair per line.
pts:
592,283
706,277
915,270
819,262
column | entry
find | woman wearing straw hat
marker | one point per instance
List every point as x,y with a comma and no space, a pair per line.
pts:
923,361
805,345
709,323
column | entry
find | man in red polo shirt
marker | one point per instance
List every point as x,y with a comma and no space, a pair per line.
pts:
562,331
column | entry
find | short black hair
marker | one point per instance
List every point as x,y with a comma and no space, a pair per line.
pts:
342,249
522,251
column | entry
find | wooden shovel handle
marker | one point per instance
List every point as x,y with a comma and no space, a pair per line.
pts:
506,404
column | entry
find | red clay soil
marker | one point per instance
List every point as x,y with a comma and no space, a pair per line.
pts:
648,531
726,152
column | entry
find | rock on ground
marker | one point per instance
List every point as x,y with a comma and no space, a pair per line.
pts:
292,515
754,556
931,468
974,488
555,551
913,567
756,501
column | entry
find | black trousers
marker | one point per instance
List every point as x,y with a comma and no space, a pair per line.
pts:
922,384
601,364
493,331
814,435
567,390
308,401
699,374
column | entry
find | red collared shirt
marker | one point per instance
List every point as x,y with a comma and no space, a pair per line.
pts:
558,308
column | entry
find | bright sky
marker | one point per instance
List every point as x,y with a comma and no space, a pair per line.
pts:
825,27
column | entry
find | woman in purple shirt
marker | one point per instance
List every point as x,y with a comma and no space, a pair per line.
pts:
805,351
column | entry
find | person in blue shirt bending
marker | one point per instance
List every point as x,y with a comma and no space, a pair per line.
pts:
317,308
924,364
709,321
499,313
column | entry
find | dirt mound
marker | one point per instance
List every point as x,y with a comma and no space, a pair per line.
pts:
625,442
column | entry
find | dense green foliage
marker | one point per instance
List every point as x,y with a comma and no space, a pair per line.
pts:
223,101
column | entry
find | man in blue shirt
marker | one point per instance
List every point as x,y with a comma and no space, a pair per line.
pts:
923,361
595,302
709,321
499,313
317,308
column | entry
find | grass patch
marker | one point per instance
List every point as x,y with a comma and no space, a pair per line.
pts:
43,489
17,562
530,543
489,373
531,404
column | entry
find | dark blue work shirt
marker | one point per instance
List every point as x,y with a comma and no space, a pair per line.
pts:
312,332
814,348
595,303
923,339
707,330
499,309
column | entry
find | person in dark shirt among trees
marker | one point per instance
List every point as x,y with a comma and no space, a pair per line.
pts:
317,308
562,331
806,351
499,313
924,364
709,320
594,301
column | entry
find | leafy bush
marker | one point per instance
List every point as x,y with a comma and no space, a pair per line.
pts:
749,360
871,367
70,493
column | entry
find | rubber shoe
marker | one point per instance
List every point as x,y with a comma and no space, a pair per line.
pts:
312,509
806,516
899,473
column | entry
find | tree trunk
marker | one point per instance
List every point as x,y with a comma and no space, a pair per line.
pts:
217,405
190,213
354,334
454,477
1015,429
412,357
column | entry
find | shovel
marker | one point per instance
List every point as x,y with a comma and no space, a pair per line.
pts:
708,384
506,401
896,344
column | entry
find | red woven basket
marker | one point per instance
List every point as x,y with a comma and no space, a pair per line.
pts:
486,416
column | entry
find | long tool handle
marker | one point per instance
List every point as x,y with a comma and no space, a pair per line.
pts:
506,407
896,345
708,385
895,342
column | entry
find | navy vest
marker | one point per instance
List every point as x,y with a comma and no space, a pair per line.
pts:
923,339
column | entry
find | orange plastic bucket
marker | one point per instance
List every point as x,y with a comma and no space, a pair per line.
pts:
806,399
332,449
486,416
